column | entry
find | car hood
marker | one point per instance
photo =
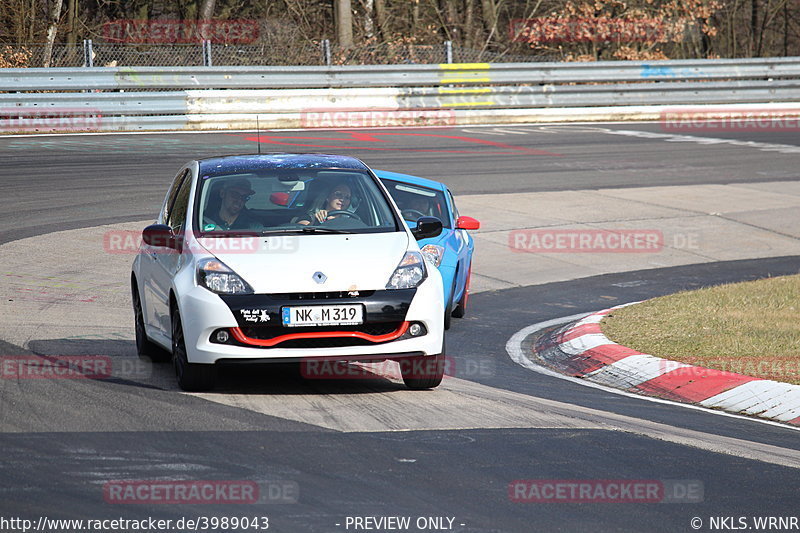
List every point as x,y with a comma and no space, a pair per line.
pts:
288,263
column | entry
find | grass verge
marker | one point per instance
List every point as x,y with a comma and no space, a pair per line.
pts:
750,328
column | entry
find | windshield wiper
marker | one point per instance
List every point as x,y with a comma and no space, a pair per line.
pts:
227,234
317,229
307,230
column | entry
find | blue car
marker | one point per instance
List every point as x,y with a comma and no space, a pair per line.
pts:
452,250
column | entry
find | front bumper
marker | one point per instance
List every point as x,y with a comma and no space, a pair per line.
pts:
254,324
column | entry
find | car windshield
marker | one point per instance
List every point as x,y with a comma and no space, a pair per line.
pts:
415,201
292,201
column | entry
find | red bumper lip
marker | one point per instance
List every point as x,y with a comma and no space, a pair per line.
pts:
239,335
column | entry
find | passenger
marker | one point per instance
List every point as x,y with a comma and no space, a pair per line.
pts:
232,214
338,199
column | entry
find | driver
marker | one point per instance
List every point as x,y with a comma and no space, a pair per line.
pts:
338,199
232,213
415,206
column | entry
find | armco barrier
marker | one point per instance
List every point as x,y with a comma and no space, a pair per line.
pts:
169,98
396,75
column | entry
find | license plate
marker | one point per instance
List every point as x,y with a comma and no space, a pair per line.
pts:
323,315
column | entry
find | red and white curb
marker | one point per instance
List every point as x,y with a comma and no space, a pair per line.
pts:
590,355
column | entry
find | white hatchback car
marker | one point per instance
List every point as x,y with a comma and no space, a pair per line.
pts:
286,258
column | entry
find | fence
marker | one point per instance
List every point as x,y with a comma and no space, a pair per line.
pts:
275,53
163,98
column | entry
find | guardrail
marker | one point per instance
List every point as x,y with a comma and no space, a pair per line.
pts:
218,97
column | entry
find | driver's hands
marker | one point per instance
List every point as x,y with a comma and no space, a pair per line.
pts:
321,215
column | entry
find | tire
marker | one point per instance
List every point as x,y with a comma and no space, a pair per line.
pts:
423,372
461,307
145,348
192,377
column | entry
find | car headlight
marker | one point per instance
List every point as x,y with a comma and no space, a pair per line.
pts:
409,273
217,277
433,253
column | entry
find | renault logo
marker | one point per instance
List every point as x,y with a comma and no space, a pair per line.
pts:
319,277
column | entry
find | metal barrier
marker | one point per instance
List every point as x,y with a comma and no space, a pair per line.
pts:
272,49
137,98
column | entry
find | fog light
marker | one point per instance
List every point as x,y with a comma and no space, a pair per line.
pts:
222,336
415,330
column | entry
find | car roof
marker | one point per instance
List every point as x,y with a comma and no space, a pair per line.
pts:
238,163
412,180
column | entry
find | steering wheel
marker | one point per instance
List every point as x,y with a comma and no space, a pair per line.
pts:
338,212
412,214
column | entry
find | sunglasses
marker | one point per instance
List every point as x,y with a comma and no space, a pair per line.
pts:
239,196
338,195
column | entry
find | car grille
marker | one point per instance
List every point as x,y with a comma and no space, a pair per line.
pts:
333,342
331,295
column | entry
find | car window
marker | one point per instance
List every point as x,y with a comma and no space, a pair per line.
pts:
267,200
453,207
173,190
415,201
177,213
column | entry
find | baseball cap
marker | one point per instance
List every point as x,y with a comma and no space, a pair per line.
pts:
241,185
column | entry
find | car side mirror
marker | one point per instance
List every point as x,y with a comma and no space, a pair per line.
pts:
467,223
427,227
160,235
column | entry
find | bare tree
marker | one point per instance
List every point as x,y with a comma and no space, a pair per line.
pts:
786,29
489,9
753,26
72,12
205,14
207,10
414,17
369,21
343,15
381,17
448,16
469,19
55,15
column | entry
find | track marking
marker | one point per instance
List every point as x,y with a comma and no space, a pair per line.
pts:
470,130
534,125
510,131
671,137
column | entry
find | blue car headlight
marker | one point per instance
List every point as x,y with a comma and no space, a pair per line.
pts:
433,253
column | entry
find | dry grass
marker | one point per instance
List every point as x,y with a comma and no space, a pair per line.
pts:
750,328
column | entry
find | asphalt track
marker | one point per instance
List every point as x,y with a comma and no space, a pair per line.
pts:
368,447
